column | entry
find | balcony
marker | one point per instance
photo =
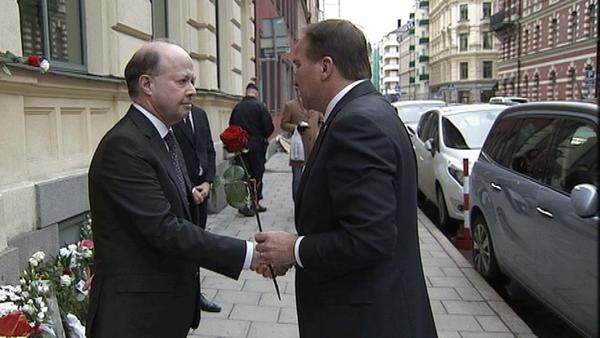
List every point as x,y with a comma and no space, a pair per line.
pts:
424,77
423,41
502,21
424,58
424,22
423,4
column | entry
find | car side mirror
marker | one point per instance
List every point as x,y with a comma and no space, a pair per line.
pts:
430,146
584,199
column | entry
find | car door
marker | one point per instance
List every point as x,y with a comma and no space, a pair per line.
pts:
425,132
515,190
569,243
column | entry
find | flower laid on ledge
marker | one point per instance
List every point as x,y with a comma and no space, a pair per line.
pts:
33,60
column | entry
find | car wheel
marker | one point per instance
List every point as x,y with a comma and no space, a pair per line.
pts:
443,217
484,257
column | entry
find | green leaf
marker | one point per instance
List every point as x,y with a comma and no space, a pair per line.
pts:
233,173
236,193
6,70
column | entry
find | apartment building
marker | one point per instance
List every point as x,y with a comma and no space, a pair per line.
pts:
389,80
548,49
53,121
462,50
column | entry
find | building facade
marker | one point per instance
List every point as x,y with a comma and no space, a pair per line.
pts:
462,50
389,78
548,49
406,40
54,121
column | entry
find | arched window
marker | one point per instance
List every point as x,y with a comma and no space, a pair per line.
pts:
551,93
553,32
573,26
525,89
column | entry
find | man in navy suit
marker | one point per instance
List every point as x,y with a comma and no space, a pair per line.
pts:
195,140
357,258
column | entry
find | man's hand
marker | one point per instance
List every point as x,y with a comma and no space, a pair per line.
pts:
200,192
278,270
257,261
276,247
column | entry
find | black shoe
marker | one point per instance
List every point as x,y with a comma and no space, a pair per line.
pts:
261,208
207,305
247,212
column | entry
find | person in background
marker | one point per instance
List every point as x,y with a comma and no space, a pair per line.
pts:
253,116
308,122
195,140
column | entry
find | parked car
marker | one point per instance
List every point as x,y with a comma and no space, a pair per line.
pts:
444,137
410,111
534,213
508,100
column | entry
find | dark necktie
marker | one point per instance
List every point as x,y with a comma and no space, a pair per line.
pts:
172,144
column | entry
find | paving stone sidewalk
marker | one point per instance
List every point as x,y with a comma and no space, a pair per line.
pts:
463,304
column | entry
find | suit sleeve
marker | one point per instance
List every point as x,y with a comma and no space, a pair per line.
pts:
130,178
361,184
286,119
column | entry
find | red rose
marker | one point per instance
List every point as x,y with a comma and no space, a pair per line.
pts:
87,243
235,139
34,60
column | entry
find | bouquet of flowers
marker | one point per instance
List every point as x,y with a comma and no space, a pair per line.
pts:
33,60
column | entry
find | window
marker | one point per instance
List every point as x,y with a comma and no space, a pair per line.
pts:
53,28
525,41
487,10
159,19
529,146
573,26
464,70
551,86
487,69
592,25
536,87
553,36
463,41
575,159
497,140
571,84
464,12
487,40
525,89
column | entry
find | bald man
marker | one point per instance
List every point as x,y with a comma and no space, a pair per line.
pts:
147,249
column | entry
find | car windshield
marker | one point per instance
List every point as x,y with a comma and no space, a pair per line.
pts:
468,130
411,114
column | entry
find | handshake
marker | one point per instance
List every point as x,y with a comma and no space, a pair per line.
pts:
274,248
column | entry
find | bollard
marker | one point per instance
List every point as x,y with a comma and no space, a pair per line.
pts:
463,240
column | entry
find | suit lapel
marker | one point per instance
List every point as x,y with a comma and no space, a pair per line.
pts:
361,89
159,148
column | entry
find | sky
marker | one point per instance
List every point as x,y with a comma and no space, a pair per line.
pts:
375,17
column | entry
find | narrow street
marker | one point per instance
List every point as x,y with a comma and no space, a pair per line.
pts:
543,322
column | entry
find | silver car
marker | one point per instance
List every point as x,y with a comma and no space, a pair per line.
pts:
534,208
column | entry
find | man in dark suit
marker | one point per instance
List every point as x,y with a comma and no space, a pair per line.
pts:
194,138
147,252
358,266
253,116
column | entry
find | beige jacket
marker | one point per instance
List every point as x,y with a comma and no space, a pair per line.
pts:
294,113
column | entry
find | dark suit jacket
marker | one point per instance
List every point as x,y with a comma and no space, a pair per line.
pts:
357,207
147,252
198,150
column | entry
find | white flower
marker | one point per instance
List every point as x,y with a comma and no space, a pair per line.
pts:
87,253
7,307
65,280
72,247
64,252
44,65
33,262
39,255
27,308
41,316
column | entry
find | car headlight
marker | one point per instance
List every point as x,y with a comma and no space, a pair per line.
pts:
456,173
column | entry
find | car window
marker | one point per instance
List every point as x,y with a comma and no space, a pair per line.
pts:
467,130
424,126
411,114
575,158
530,144
498,140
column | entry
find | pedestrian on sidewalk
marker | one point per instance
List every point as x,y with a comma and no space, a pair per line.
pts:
307,122
357,258
253,116
195,140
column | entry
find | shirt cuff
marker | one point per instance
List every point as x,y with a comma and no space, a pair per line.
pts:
249,253
297,251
